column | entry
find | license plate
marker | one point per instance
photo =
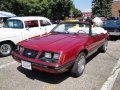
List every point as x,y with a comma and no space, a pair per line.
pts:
26,65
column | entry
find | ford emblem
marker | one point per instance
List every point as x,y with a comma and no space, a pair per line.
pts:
29,53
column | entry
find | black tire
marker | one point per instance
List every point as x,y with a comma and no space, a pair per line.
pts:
103,49
5,49
79,65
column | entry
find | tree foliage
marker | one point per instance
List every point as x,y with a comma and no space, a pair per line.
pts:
102,8
53,9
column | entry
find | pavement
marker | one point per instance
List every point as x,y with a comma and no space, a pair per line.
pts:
102,72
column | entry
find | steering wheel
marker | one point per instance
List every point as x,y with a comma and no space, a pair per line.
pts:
81,31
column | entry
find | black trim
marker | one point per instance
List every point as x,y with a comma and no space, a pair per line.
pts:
45,66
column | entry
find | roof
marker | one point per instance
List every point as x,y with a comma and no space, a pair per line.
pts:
25,18
6,14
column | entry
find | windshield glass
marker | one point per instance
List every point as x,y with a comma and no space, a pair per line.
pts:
72,28
13,24
112,23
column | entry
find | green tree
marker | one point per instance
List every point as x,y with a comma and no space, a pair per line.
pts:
102,7
53,9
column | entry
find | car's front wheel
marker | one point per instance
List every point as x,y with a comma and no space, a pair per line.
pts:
5,49
79,65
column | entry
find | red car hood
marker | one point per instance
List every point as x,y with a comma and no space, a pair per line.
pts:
52,42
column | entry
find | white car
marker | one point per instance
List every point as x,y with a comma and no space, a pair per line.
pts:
20,28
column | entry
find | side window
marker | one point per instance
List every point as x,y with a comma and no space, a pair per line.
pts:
13,24
31,23
44,23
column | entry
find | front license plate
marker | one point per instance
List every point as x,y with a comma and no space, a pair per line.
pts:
26,65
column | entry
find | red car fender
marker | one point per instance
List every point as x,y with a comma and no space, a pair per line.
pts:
81,49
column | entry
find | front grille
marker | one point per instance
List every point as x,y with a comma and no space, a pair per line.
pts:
30,53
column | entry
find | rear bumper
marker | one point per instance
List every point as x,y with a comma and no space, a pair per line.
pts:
114,33
49,69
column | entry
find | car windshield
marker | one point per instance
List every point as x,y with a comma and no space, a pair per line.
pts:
112,23
13,24
72,28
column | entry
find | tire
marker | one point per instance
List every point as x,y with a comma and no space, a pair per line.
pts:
103,49
79,65
5,49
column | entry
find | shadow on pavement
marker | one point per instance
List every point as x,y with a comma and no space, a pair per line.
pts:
91,57
43,76
47,77
114,38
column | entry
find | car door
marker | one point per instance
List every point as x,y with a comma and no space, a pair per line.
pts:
32,29
93,43
45,26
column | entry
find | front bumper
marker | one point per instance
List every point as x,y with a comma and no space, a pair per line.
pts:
46,68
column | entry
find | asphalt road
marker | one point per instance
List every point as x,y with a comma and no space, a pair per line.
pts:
101,73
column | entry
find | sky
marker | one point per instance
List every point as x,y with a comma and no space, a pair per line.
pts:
83,5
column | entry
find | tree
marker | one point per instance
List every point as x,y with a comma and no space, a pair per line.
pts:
53,9
102,8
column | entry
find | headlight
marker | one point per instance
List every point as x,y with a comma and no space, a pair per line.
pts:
49,57
18,49
56,56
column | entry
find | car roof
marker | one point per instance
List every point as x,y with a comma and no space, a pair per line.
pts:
25,18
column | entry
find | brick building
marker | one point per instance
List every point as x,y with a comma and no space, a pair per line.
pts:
115,8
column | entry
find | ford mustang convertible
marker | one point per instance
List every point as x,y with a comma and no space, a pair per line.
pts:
65,48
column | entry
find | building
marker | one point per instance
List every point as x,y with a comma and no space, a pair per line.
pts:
86,14
115,8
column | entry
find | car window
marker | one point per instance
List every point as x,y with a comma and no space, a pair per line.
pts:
118,23
31,23
111,23
44,23
13,24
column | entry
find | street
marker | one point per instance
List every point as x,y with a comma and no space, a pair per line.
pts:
99,68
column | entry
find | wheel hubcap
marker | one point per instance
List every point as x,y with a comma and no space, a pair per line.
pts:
5,49
105,46
81,64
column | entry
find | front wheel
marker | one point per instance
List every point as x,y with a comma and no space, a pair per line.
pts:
5,49
79,65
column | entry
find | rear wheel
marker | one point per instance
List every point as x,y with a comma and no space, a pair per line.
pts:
5,49
104,47
79,65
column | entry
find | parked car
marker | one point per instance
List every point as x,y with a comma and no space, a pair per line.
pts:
20,28
113,27
65,48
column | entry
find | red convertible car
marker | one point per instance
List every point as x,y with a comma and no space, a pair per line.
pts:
65,48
